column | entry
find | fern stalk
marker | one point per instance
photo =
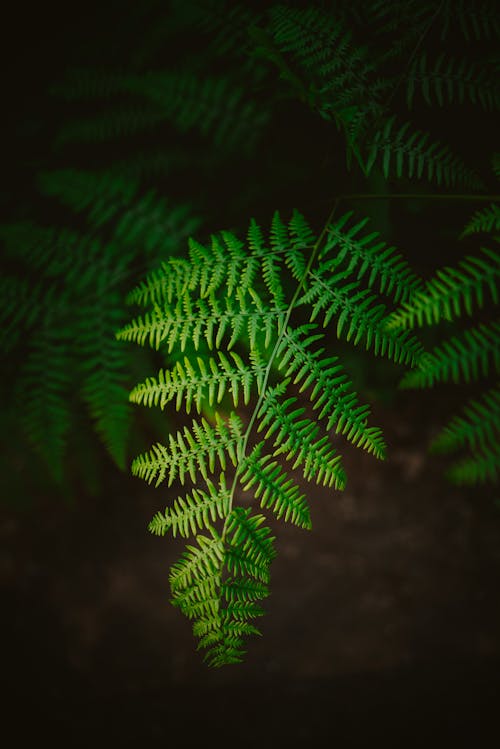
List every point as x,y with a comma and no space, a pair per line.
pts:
270,363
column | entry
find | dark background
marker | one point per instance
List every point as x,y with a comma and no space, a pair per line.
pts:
383,622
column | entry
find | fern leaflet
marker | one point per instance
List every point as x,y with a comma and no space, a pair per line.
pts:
452,291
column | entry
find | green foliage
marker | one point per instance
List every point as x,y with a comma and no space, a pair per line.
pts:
447,80
466,357
453,291
215,107
484,221
237,109
353,83
64,301
235,298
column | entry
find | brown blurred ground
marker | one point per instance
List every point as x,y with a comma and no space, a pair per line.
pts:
382,627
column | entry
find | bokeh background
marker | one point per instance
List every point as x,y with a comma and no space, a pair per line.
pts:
383,622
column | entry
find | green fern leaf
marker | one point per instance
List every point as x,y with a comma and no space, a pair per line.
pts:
452,292
104,369
359,315
250,547
448,80
474,354
42,396
222,607
275,490
207,381
229,297
411,154
366,255
478,469
477,427
486,220
191,451
476,21
199,510
295,438
331,393
214,106
204,319
146,221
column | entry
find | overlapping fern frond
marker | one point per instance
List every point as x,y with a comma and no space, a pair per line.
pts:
447,80
402,151
453,291
42,395
136,220
315,52
352,83
215,107
462,358
484,221
476,20
467,356
478,424
67,287
237,301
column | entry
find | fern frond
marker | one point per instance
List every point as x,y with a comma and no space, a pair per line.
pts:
448,80
205,381
154,224
118,123
216,107
43,396
250,546
480,468
295,438
400,24
369,256
164,284
320,43
243,589
195,582
53,252
486,220
406,153
300,242
191,451
205,319
275,490
331,391
476,21
104,368
462,358
228,262
477,427
495,163
336,76
452,292
23,306
221,605
230,296
359,315
192,512
102,195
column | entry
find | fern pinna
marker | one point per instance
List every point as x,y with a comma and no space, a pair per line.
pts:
256,306
469,355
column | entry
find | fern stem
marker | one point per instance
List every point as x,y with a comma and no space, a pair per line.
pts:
272,357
